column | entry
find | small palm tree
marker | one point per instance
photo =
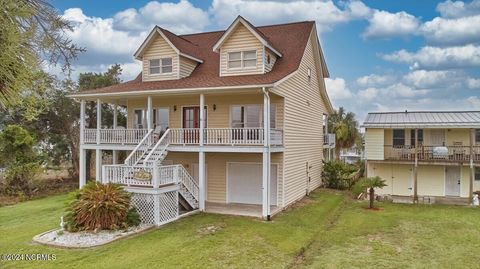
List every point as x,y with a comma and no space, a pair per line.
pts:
371,183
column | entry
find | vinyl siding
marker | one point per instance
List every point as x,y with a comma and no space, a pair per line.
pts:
430,179
241,40
303,127
374,147
186,66
216,164
273,59
159,48
220,118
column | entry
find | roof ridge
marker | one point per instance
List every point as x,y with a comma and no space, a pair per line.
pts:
262,26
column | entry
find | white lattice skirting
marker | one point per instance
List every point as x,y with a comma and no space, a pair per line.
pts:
156,206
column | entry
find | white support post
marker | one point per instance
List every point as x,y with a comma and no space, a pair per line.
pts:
115,123
99,119
201,180
149,113
82,175
83,168
201,156
156,176
156,209
104,175
202,118
82,122
98,167
266,157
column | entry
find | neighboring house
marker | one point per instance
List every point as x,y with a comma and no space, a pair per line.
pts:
351,155
424,155
255,148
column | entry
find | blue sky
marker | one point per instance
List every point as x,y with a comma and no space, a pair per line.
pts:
382,55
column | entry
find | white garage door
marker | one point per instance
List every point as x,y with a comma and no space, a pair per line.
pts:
245,183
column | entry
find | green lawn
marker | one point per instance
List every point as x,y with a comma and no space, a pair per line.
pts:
324,231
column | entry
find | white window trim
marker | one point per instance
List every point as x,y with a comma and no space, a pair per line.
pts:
242,60
160,66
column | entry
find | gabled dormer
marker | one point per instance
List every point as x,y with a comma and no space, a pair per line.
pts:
166,56
244,50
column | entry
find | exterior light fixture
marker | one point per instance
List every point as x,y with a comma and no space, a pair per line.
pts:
214,107
175,108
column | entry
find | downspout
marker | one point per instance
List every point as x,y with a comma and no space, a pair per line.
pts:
267,145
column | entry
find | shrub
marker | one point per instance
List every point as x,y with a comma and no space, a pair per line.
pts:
371,183
101,207
19,155
338,175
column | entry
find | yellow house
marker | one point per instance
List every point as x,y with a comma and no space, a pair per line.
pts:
227,121
427,156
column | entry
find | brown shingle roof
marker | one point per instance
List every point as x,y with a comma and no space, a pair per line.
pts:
289,39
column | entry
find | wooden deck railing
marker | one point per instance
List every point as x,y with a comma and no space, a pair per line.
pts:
433,153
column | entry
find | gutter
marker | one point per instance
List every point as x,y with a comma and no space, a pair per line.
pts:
166,91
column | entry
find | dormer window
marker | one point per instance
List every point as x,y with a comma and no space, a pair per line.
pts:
242,59
161,66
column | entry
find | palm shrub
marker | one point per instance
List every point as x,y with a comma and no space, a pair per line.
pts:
371,183
338,175
101,207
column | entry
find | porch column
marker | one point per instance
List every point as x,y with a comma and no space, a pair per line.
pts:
115,123
201,157
415,170
266,157
98,165
149,113
472,167
82,175
99,119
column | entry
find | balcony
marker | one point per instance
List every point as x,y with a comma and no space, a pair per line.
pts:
187,136
433,153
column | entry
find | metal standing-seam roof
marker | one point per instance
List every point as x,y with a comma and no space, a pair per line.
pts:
423,119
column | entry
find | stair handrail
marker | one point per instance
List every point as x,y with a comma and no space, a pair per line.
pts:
134,156
163,142
187,180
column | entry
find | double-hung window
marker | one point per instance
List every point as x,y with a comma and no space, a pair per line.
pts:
242,59
250,116
398,137
161,66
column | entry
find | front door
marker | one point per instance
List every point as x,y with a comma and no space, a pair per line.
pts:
437,137
452,181
191,123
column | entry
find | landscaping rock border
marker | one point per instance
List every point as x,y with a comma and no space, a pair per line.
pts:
84,239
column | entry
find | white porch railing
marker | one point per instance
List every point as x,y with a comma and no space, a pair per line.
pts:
224,136
114,136
158,152
140,150
144,176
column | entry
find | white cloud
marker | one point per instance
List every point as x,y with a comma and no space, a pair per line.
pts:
452,31
369,93
374,80
428,79
384,24
325,13
473,83
180,18
438,58
457,9
337,88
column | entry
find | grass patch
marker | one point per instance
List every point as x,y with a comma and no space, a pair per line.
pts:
198,241
326,230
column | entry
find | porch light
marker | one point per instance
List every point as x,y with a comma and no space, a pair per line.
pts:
175,108
214,107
